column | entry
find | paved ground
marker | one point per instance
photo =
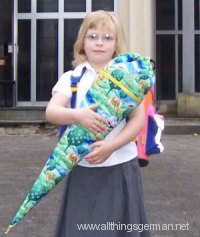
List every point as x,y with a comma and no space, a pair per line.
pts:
171,184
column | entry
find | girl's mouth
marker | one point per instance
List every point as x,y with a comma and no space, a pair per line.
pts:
98,51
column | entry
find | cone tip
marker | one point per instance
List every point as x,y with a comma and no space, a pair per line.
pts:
8,230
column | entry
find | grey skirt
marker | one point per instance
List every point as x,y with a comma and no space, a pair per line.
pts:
103,202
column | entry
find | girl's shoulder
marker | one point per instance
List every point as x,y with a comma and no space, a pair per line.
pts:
77,70
66,75
63,84
65,78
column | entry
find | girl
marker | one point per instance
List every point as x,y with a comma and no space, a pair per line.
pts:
104,189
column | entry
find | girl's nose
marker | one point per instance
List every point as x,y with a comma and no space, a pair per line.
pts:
99,41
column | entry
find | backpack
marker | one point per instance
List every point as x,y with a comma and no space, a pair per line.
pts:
149,139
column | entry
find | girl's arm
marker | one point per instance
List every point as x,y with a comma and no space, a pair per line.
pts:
103,149
134,125
57,113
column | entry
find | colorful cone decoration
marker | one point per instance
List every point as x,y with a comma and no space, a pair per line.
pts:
118,89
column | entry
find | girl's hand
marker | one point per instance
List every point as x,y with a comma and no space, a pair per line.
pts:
91,120
101,151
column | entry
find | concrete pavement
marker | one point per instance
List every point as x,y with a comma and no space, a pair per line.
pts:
171,184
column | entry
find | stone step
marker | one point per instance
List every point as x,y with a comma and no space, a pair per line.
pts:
175,126
35,117
22,115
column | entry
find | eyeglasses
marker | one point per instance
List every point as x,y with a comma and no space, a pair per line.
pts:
95,37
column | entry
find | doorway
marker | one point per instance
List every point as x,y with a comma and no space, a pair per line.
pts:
44,33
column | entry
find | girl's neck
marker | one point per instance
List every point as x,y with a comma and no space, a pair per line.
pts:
97,67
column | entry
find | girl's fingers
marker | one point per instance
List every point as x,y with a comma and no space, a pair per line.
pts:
97,116
93,107
99,127
101,119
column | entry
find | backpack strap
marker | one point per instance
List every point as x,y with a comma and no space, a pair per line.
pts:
74,83
74,86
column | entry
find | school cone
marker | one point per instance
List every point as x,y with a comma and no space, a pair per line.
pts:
58,165
56,168
118,89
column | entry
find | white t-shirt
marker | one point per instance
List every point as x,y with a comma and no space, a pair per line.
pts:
125,153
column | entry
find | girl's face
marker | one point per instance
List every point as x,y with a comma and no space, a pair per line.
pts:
99,47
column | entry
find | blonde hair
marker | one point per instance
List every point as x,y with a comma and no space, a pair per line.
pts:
91,21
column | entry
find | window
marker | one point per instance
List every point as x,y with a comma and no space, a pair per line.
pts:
197,14
75,6
24,60
168,48
197,44
165,66
103,4
47,6
47,58
165,15
71,27
24,6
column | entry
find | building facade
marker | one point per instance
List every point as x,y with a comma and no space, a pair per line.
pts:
37,36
